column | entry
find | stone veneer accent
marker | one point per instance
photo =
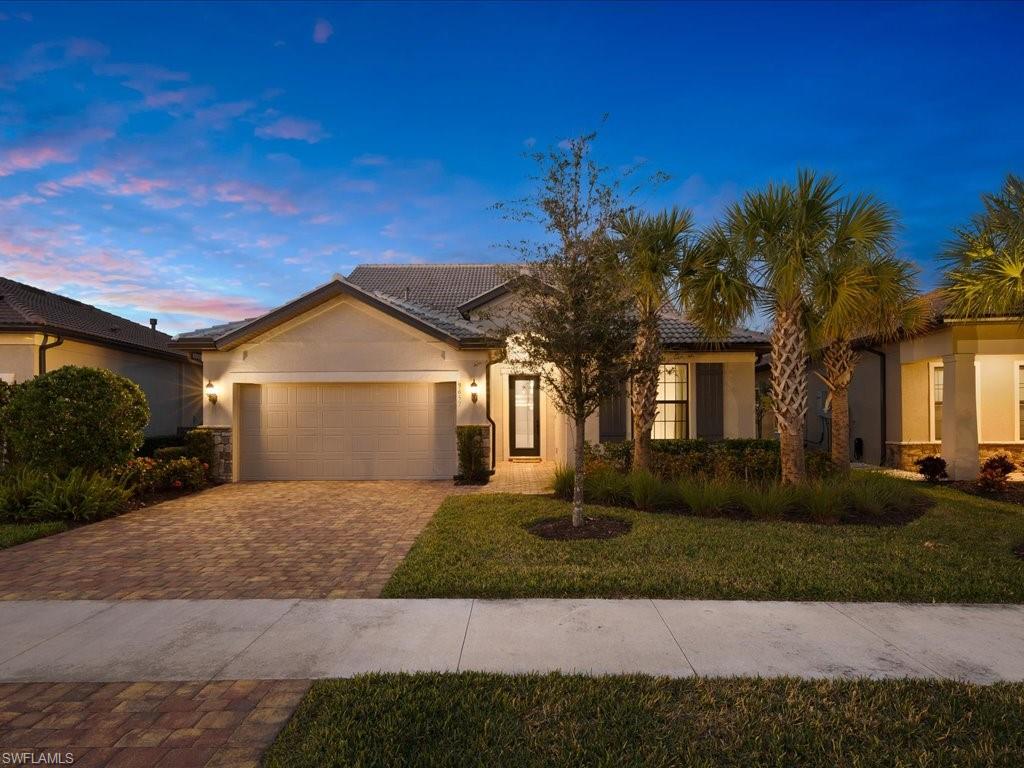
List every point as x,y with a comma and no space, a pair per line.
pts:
903,455
221,469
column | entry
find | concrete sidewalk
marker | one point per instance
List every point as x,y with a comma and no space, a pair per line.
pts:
142,640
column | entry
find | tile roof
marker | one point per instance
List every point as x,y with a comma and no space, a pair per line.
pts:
432,294
24,307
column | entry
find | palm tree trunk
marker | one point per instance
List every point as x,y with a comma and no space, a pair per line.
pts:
577,488
644,394
789,390
840,361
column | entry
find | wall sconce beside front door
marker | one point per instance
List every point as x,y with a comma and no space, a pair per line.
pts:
474,391
211,392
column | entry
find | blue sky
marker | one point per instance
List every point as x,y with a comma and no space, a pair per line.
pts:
202,162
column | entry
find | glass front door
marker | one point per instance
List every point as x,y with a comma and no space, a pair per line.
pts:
524,415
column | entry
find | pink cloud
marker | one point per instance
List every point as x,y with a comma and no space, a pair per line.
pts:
30,158
323,218
371,160
322,31
254,195
17,201
106,181
295,128
219,116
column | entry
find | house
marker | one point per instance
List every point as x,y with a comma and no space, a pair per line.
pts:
41,331
954,389
368,376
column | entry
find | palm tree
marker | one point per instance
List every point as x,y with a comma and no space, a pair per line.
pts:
985,261
859,291
651,249
762,258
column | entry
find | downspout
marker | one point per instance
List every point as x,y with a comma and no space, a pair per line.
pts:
494,427
881,401
45,346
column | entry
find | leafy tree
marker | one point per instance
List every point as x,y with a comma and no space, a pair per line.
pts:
573,322
71,417
763,257
859,290
985,260
652,253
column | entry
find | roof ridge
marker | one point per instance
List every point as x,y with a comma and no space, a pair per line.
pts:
437,264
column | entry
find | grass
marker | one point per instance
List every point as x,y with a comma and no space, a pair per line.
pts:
473,719
18,533
960,550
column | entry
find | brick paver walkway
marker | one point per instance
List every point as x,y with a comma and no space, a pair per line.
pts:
531,477
179,725
271,540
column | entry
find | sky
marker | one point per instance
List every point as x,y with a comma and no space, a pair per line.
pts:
204,162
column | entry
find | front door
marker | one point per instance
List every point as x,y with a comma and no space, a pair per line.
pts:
524,415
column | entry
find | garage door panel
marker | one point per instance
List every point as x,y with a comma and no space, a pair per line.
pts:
347,431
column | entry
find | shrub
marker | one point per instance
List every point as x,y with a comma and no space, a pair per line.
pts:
474,466
5,396
137,476
76,417
170,452
932,467
200,445
183,473
17,493
704,498
80,497
565,477
650,493
993,475
151,444
606,486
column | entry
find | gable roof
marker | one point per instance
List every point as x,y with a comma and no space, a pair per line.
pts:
437,299
442,326
29,309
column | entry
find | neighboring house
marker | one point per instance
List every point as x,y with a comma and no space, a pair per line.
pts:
367,377
41,331
954,389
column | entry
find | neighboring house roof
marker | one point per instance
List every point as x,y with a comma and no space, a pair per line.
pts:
436,298
24,308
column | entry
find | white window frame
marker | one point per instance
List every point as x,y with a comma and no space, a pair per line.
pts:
1017,365
932,365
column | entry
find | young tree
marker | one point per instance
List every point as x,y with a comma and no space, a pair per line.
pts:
652,252
985,261
573,322
762,258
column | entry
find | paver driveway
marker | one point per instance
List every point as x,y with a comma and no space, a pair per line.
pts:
274,540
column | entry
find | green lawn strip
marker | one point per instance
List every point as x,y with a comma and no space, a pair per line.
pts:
473,719
960,550
18,533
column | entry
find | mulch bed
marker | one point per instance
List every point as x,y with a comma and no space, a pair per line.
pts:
1014,494
561,528
1019,550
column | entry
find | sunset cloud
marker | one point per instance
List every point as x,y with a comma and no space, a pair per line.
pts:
254,195
293,128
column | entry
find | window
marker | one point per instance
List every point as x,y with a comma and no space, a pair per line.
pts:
1020,402
937,403
671,421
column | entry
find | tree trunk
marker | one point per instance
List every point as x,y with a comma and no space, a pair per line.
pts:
644,393
577,488
789,390
841,427
839,361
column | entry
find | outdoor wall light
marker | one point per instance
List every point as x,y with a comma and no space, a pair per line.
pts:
474,393
211,392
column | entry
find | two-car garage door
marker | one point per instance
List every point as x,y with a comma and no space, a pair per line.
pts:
347,431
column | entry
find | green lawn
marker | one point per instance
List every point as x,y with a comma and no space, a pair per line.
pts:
19,533
474,719
477,546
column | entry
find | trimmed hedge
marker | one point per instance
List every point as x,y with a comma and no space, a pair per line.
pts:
73,417
199,445
753,461
169,452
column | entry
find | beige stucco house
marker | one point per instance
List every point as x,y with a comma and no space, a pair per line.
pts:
955,389
42,331
368,375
